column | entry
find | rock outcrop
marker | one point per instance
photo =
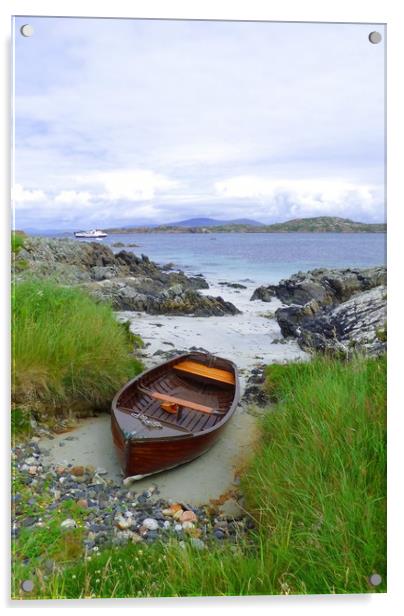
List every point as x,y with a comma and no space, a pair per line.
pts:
338,310
326,286
127,281
359,324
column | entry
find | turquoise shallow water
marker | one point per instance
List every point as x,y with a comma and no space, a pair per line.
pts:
260,257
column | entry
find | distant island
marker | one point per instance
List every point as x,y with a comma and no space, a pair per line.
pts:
319,224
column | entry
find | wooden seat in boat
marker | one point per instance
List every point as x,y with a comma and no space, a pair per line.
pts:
215,374
173,404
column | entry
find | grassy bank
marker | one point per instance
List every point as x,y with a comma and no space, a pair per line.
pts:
69,353
17,241
316,486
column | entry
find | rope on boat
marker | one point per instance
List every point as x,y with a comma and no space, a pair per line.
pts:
151,423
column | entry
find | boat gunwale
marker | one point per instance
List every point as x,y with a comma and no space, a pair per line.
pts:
226,417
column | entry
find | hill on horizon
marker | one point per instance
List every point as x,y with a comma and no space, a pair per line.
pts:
212,222
318,224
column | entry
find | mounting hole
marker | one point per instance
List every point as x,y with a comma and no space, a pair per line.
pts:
375,37
375,579
27,30
27,585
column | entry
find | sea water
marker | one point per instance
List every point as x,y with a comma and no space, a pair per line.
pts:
258,257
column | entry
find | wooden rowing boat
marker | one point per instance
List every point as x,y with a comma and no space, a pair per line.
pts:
173,413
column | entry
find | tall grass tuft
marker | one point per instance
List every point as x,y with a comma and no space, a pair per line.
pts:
318,483
69,353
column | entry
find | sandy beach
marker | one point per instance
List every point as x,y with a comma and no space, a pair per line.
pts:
249,339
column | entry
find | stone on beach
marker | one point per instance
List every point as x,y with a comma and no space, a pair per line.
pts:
188,516
150,524
123,524
68,523
78,471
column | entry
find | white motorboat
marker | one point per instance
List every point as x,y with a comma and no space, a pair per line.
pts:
93,234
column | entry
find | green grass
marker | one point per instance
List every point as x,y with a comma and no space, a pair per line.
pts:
17,241
316,486
318,483
69,353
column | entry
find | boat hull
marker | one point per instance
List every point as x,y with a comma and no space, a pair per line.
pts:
144,450
146,457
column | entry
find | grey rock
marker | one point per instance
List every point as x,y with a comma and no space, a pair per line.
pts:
127,281
29,521
265,294
358,324
218,533
231,508
150,524
326,286
68,523
198,544
333,310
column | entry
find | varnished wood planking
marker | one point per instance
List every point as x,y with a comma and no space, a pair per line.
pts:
155,450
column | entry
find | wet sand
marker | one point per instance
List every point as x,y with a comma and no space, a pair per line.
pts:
206,478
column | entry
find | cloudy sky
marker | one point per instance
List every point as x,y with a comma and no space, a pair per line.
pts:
131,121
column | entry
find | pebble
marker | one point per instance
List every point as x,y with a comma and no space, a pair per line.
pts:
150,524
123,538
231,508
219,533
198,544
112,513
188,516
101,471
123,524
29,521
80,479
77,471
68,523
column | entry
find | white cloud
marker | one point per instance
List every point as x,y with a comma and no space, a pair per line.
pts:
21,195
130,184
73,197
311,197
